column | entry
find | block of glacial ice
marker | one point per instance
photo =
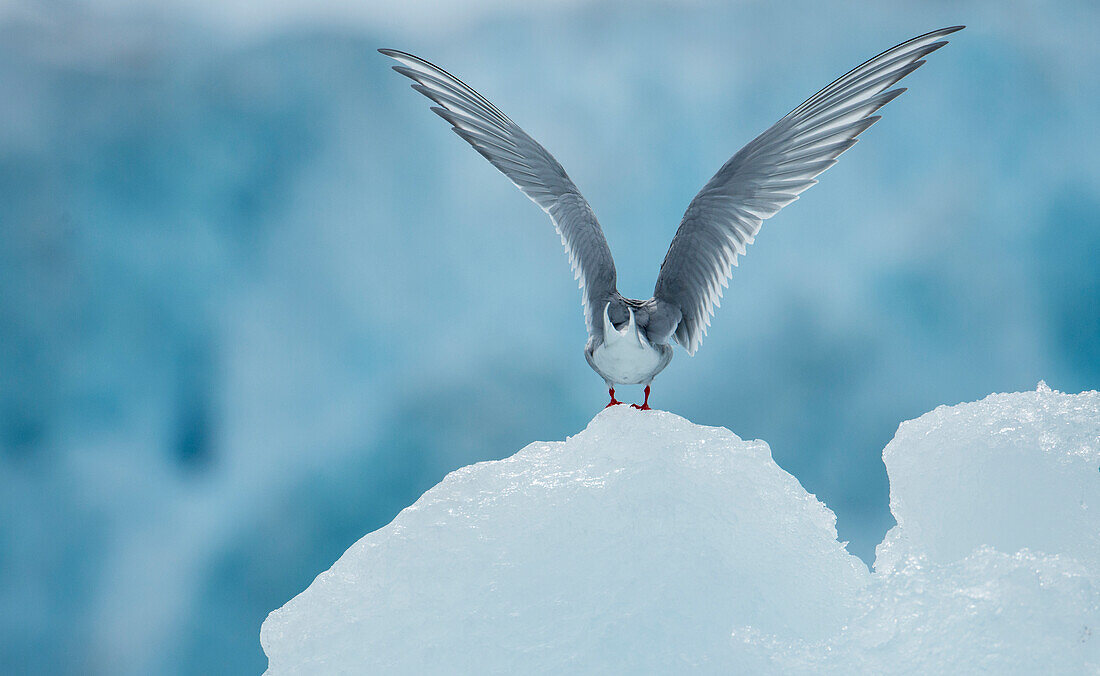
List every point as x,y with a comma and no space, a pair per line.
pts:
648,544
638,545
1011,471
993,565
989,613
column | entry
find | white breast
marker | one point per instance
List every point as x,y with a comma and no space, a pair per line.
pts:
625,357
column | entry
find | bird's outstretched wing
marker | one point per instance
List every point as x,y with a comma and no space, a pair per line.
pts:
530,167
768,174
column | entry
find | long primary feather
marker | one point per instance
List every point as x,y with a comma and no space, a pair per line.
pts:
768,174
530,167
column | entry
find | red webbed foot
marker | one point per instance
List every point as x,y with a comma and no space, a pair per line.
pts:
645,404
614,401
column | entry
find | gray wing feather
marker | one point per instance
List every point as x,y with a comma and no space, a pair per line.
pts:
768,174
530,167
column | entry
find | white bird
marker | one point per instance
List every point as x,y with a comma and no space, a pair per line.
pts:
628,339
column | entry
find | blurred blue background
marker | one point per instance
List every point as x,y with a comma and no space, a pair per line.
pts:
255,298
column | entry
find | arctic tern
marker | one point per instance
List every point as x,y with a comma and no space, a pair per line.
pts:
628,339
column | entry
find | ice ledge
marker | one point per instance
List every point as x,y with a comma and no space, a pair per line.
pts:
649,543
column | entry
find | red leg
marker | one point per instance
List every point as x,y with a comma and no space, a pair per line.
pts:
614,402
645,403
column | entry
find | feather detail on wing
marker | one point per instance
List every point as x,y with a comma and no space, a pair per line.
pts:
530,167
768,174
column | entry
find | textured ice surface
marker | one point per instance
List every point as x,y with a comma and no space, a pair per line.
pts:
989,612
648,543
1012,471
993,566
640,543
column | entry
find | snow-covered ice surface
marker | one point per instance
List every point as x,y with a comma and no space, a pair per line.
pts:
648,543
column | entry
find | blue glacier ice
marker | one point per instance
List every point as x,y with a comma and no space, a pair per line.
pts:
648,544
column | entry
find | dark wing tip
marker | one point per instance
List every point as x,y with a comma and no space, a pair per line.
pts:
943,31
938,33
391,52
